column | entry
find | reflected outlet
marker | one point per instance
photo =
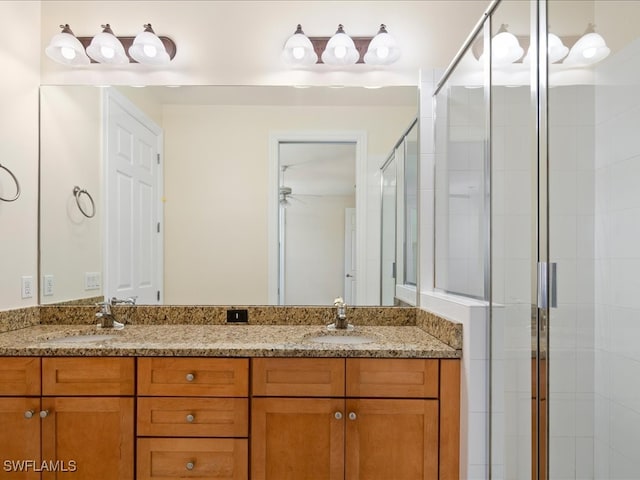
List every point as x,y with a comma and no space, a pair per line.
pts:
238,316
47,285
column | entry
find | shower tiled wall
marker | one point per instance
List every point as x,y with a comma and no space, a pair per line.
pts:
571,247
617,266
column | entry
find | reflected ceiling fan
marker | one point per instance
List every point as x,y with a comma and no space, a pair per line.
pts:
286,193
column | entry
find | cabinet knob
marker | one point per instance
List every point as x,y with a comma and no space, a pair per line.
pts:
190,377
352,416
190,465
44,413
29,414
338,415
190,418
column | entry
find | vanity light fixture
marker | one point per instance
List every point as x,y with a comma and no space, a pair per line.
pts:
105,47
147,48
65,48
556,50
505,47
383,49
340,49
298,50
590,48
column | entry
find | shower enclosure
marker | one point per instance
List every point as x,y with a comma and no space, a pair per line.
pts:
538,213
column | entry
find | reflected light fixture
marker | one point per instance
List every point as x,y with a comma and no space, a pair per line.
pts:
556,50
148,49
340,49
298,49
105,47
65,48
383,49
590,48
505,47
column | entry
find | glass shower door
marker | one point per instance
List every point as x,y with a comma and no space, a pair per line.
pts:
515,412
594,238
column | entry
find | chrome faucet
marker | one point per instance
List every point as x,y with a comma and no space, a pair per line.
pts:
341,314
104,315
123,301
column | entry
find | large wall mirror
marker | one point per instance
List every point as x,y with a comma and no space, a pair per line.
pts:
184,183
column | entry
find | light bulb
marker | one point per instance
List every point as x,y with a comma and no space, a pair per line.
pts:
107,52
382,52
68,53
298,53
589,52
340,51
150,51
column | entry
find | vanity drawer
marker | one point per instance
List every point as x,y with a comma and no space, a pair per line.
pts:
19,376
171,458
193,417
102,376
392,378
193,377
298,377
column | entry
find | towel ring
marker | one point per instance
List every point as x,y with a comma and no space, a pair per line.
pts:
77,191
16,182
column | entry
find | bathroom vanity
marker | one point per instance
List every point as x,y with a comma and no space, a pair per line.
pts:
228,402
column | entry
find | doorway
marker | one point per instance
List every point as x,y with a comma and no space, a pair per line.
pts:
133,190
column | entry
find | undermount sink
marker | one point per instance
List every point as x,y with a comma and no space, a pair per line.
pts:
91,338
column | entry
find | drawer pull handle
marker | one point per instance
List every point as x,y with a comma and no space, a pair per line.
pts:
29,414
352,416
190,465
190,377
44,413
338,415
190,418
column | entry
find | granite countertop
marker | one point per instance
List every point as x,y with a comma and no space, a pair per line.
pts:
223,340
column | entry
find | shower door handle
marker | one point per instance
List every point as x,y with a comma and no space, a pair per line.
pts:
547,285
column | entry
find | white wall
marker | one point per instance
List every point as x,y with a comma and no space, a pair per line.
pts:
617,284
314,245
217,156
20,54
71,155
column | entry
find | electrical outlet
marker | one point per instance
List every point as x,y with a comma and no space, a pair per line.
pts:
237,316
47,285
92,280
27,287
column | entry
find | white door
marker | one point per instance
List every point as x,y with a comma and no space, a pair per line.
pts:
133,253
349,255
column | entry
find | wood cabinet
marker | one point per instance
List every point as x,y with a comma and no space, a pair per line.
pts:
311,418
193,418
390,419
74,420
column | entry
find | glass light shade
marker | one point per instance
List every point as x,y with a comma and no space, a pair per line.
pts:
298,49
555,48
589,49
106,48
505,48
383,49
340,49
65,48
148,49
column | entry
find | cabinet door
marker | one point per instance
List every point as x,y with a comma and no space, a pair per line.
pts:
19,438
297,438
391,439
95,433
